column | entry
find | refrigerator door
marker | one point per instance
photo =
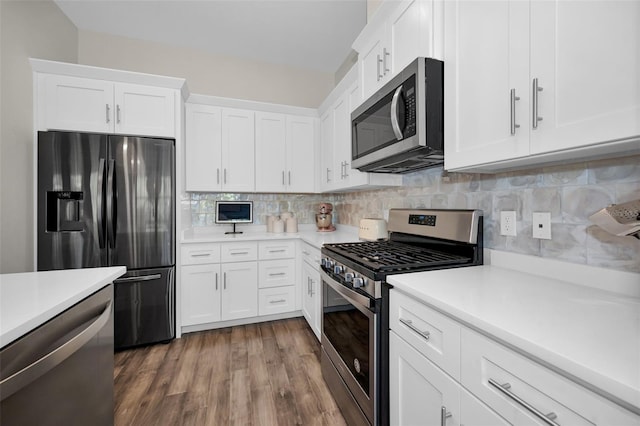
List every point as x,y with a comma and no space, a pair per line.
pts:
71,185
144,307
140,202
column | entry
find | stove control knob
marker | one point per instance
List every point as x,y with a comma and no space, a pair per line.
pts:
338,269
324,262
328,263
358,282
348,277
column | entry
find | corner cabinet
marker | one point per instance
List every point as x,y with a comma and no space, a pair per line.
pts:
551,82
91,105
285,146
219,149
399,32
336,173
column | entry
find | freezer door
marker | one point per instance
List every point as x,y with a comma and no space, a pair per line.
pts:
144,307
140,202
71,184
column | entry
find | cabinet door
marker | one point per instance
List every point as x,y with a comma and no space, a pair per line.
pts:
239,290
238,150
311,297
271,166
419,391
585,56
79,104
203,164
341,139
301,159
200,294
327,172
144,110
371,63
353,177
485,56
408,35
474,413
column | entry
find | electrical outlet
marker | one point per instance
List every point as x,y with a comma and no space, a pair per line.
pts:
542,225
508,223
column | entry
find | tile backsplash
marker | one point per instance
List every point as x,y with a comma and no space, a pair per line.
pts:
571,193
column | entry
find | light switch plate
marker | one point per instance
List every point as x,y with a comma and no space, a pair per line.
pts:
542,225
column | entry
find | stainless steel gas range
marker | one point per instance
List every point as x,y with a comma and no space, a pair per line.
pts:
355,299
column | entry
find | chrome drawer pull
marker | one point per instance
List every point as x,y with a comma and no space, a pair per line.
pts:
201,255
238,252
409,324
277,274
277,251
444,415
277,301
546,418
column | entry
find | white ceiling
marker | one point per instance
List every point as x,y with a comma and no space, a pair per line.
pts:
310,34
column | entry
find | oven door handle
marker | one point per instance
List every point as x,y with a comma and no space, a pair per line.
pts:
356,299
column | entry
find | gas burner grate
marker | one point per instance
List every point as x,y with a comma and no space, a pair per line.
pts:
388,256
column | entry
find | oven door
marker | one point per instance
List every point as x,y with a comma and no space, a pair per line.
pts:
349,338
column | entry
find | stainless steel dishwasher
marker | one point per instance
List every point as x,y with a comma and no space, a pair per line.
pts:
61,373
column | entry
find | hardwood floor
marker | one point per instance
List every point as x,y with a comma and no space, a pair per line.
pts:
258,374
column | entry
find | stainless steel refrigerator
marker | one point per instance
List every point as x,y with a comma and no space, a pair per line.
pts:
108,200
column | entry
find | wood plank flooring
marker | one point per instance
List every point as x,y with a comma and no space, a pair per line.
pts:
258,374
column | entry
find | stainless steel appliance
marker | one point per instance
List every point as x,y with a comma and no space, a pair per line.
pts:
62,372
355,316
110,200
401,127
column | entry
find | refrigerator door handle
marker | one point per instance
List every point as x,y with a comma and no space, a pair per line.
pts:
101,202
111,204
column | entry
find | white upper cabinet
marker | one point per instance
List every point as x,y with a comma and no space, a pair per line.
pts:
399,32
553,81
327,172
285,146
219,152
203,161
89,105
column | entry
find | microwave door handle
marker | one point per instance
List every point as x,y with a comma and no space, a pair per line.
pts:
394,114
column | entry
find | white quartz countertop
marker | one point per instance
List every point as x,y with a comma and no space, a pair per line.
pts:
29,299
587,334
307,233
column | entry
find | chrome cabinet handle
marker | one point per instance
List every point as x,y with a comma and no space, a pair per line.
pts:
216,281
312,292
536,117
385,54
444,415
289,177
328,170
513,99
277,251
224,280
379,61
238,252
346,164
277,274
277,301
394,114
201,255
118,114
218,175
283,177
225,175
108,113
546,418
409,324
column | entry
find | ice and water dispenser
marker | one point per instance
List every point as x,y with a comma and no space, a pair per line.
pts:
64,212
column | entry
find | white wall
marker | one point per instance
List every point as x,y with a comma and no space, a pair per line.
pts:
28,29
208,74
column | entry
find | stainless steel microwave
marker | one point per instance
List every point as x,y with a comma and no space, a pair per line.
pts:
401,127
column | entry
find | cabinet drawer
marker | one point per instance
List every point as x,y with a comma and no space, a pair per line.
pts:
508,382
276,273
310,254
239,252
433,334
196,254
276,300
276,250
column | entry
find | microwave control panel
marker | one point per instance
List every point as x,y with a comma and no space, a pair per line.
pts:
409,95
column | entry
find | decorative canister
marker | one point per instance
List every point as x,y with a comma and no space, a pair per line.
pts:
270,220
291,225
278,226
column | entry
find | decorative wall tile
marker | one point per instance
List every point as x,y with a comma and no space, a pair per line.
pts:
571,193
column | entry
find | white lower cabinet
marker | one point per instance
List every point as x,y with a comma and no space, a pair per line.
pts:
200,286
239,290
311,297
487,385
276,300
